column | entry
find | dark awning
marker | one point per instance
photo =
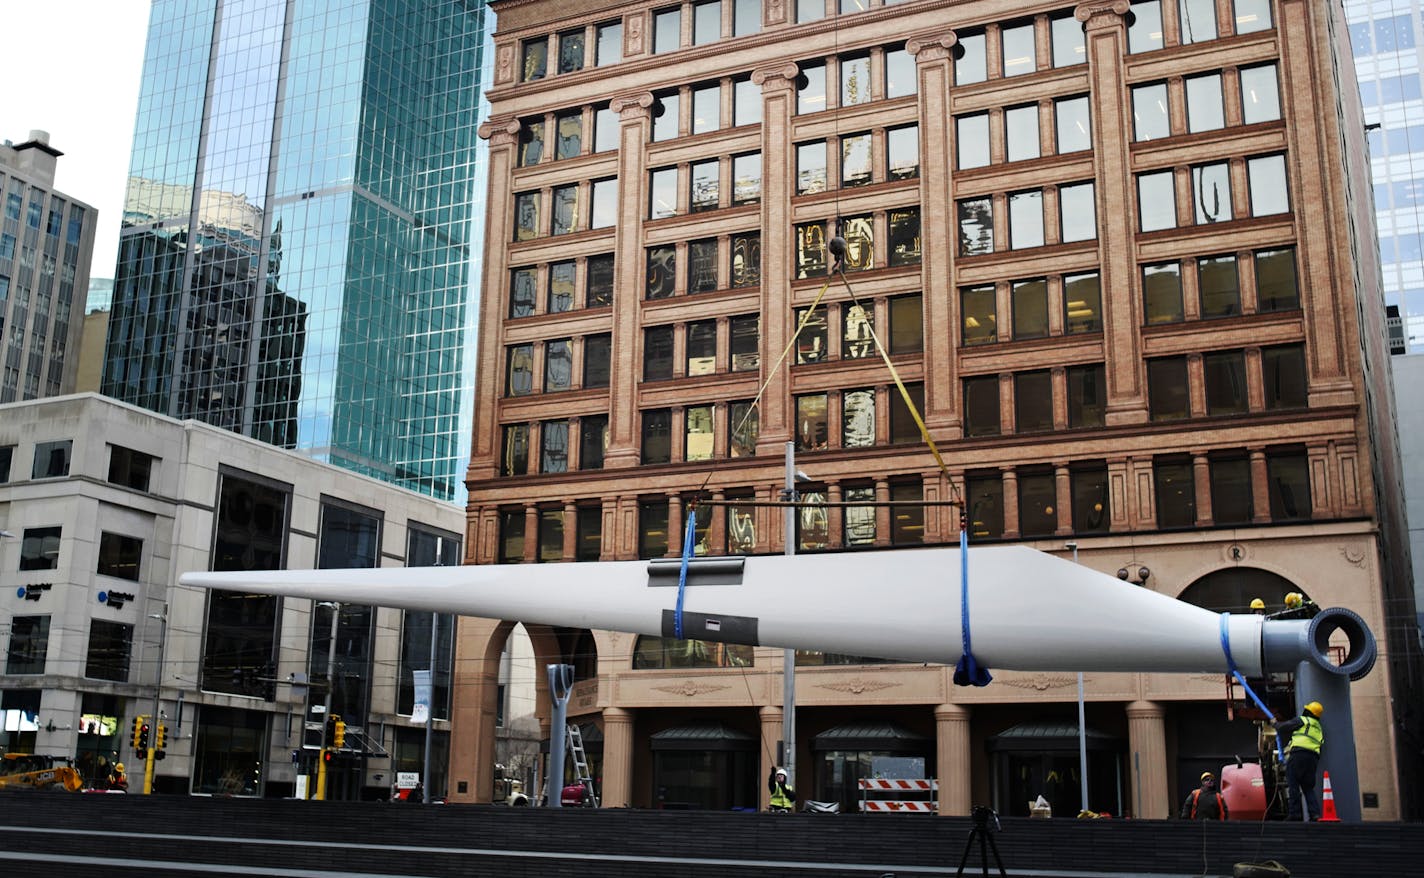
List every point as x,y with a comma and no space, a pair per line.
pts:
707,735
1050,735
871,735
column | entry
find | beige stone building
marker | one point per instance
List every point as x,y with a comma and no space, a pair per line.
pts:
1121,256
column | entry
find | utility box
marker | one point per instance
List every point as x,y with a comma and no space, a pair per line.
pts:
1244,789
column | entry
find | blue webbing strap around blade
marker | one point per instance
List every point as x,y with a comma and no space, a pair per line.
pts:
967,672
1231,666
687,542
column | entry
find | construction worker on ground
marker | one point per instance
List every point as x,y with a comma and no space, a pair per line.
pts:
119,780
783,797
1306,736
1204,802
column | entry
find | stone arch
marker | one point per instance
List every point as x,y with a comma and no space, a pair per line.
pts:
1230,589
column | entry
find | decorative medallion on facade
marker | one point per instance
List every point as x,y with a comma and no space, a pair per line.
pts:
858,686
1041,682
690,688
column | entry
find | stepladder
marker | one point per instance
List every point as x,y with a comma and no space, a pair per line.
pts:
582,777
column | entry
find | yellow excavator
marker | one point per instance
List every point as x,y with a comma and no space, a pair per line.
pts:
29,771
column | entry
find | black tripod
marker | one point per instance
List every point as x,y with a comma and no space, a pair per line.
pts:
984,831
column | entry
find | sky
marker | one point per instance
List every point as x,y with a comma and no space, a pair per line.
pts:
80,61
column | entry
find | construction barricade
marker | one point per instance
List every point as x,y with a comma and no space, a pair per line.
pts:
874,790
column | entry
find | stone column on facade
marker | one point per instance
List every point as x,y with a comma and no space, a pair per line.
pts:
1322,499
1147,760
617,790
1196,386
1063,494
531,534
778,85
1311,132
1106,41
570,530
473,709
952,753
1011,503
933,64
884,515
634,112
1255,383
717,520
503,137
770,716
835,516
674,526
1125,494
1260,487
1201,484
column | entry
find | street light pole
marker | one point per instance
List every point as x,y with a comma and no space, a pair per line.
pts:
330,687
1082,725
788,661
154,723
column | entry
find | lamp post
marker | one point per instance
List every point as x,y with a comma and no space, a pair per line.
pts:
1082,725
330,687
162,617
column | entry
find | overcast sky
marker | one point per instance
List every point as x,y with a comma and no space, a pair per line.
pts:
76,67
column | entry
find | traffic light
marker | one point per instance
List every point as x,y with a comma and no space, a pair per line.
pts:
160,737
338,737
140,728
326,755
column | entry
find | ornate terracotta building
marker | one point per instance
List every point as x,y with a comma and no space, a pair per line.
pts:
1122,256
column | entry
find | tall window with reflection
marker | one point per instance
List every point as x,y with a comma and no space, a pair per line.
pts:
907,323
657,353
858,324
598,281
657,436
698,434
554,447
523,292
1167,395
1038,503
858,522
1230,474
903,427
349,536
561,287
593,441
597,350
1088,485
1082,303
981,406
1087,395
652,527
970,59
984,499
902,148
978,307
428,548
661,271
1144,26
746,259
1033,401
976,226
514,450
551,535
855,160
811,426
858,418
1288,483
519,370
745,345
1077,212
1225,378
743,428
1162,293
1174,485
1072,124
1220,286
702,265
1066,34
701,347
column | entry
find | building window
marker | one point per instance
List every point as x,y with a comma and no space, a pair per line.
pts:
971,141
39,548
811,344
652,528
29,645
1077,212
1167,396
859,526
7,456
976,226
858,323
907,324
859,234
981,406
593,441
746,103
561,287
514,453
746,178
657,436
536,60
570,135
1156,201
900,74
1198,20
1087,395
604,212
1211,193
119,556
902,149
1175,489
1276,288
702,188
1220,286
1038,502
702,347
745,346
610,43
662,193
1252,15
52,459
903,427
697,421
907,522
706,22
657,353
558,365
1082,303
855,81
858,418
519,370
810,10
810,250
526,216
743,428
1162,293
1021,133
598,284
1026,219
702,265
551,536
606,129
1267,178
1288,483
597,350
129,468
1033,401
554,448
1150,119
1088,484
746,17
667,30
811,167
811,95
746,259
1018,46
511,536
1260,94
666,118
1072,124
522,292
110,645
1030,303
811,428
1205,111
970,59
662,271
977,307
706,108
531,143
588,544
984,495
1144,28
1225,375
1068,42
1283,374
855,160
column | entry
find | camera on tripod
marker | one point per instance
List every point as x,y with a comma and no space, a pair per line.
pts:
986,819
986,823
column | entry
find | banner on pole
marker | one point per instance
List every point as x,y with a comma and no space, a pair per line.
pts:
421,712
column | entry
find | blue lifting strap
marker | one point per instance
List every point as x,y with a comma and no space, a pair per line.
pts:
967,672
1231,666
687,542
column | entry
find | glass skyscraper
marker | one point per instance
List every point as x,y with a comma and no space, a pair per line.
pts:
300,229
1388,45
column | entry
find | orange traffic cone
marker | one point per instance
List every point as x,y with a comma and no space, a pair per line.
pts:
1327,803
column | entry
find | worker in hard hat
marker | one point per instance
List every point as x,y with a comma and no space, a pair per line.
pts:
1258,606
118,780
1306,736
1297,606
783,797
1205,802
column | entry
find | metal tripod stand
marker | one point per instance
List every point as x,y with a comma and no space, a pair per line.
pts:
986,822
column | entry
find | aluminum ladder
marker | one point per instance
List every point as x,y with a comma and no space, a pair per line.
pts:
580,761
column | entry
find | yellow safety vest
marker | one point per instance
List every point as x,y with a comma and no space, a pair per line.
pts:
1309,736
779,799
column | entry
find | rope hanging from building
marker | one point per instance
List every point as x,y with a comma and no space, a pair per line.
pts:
687,543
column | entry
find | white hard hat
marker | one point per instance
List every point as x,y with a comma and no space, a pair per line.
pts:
781,772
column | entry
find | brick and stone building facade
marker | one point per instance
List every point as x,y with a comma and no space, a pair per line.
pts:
1120,255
